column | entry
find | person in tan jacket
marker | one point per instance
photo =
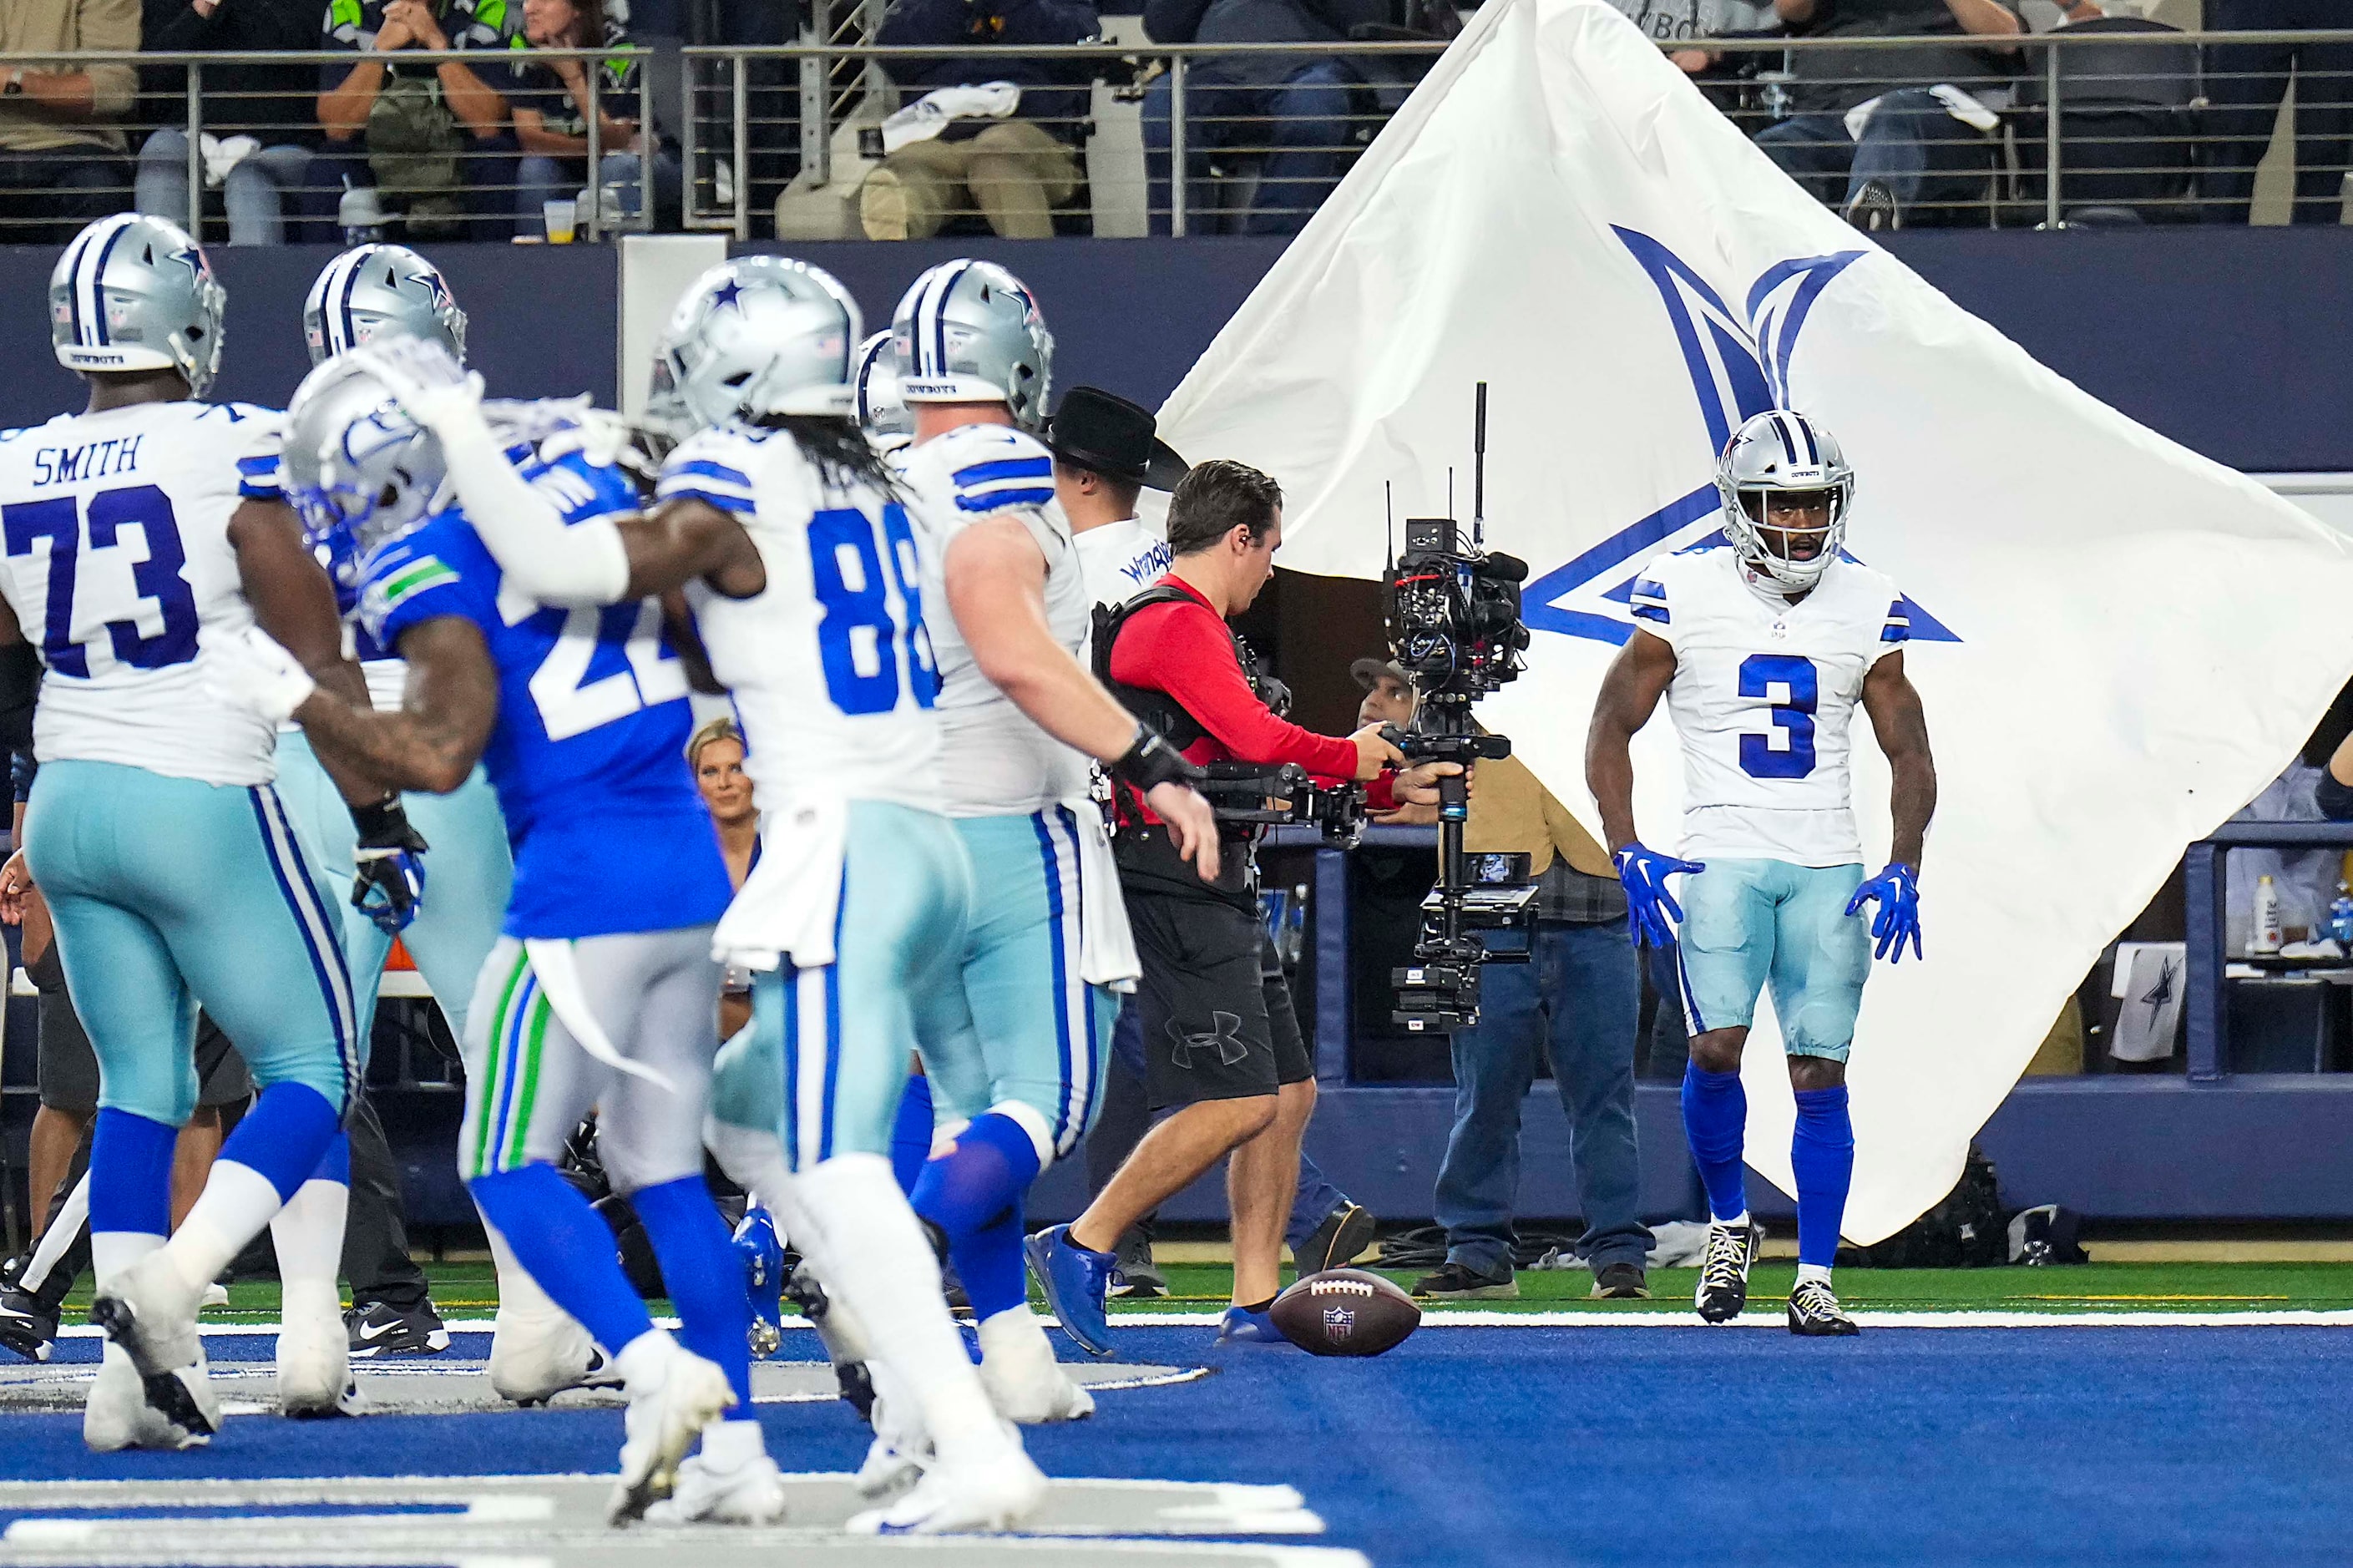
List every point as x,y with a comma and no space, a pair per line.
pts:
1575,1002
62,153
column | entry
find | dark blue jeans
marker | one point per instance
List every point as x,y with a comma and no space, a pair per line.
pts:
2244,85
1924,157
1577,1001
1300,125
1312,1202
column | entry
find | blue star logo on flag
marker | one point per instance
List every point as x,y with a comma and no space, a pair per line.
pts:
1739,366
727,293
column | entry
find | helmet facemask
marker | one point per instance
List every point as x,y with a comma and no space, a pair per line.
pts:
1788,535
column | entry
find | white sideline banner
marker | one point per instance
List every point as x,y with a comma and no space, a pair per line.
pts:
2118,641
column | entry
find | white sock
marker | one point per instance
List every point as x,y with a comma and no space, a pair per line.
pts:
1014,1337
519,1296
882,1265
112,1252
237,1202
59,1236
732,1445
1732,1224
1813,1271
309,1236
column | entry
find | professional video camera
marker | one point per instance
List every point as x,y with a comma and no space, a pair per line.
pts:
1454,627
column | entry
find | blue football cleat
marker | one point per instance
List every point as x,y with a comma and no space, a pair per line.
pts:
764,1276
1240,1326
1075,1281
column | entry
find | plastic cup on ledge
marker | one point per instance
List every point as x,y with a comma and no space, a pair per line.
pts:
560,217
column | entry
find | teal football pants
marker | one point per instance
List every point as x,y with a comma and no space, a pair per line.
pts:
1748,924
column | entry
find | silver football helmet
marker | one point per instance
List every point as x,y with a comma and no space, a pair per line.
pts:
762,335
1780,452
970,331
358,470
881,413
134,292
372,288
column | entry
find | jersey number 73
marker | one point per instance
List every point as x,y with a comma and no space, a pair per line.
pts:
159,579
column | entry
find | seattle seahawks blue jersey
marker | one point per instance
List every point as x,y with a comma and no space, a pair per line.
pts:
588,752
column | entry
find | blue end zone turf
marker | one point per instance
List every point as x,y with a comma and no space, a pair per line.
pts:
1916,1447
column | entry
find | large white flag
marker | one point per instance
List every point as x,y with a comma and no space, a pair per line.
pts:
2118,642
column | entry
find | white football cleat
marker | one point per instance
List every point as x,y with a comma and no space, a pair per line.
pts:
996,1494
751,1493
535,1356
150,1311
314,1368
215,1297
685,1395
889,1471
1024,1380
118,1415
902,1449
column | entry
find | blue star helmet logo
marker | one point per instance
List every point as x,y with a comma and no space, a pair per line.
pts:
435,285
727,293
1739,366
193,259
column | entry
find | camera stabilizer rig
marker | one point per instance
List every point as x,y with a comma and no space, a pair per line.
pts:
1453,614
1264,795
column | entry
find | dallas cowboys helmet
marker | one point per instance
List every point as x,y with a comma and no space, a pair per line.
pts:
372,288
762,335
881,413
665,422
1782,452
134,292
358,469
969,331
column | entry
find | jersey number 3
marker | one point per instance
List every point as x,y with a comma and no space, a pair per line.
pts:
158,579
1793,718
855,640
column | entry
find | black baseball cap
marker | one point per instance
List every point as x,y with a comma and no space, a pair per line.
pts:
1105,432
1368,672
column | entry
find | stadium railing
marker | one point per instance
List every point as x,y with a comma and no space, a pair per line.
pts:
775,139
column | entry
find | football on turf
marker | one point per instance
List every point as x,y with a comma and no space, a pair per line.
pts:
1346,1311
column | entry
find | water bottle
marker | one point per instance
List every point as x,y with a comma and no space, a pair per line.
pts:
361,216
2340,918
2267,917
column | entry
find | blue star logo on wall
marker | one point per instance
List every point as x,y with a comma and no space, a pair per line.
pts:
727,293
1739,366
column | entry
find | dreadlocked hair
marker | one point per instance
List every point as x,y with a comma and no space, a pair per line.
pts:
839,448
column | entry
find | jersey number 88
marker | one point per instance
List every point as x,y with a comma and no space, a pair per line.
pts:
857,641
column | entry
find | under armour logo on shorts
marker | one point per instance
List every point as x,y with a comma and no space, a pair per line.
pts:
1226,1039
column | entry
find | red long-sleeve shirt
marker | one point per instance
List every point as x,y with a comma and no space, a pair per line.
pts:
1185,651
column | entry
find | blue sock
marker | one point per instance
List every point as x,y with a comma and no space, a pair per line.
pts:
1821,1156
131,1173
335,1165
1715,1118
567,1247
704,1275
973,1194
911,1135
285,1135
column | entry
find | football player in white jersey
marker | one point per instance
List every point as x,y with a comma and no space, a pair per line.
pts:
174,872
1764,650
806,576
1107,455
1049,945
880,411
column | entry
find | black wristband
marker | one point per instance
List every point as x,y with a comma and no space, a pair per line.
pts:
1153,761
383,822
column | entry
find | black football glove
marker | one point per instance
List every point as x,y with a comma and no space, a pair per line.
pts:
391,857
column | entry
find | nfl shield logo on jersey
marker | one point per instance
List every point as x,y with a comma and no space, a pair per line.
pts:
1740,365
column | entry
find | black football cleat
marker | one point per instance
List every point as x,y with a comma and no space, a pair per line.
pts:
381,1329
29,1325
1724,1271
1815,1313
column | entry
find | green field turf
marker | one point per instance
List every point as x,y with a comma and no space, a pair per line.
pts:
465,1290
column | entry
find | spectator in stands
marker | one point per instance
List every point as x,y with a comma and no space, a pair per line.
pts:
1014,161
258,126
550,102
432,140
1291,110
1575,1002
1891,136
62,152
2244,84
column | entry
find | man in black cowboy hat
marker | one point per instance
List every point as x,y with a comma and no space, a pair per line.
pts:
1107,455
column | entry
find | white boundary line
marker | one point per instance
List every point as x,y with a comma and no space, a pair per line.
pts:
1493,1319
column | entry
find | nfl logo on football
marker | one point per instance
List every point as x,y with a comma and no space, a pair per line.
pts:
1339,1322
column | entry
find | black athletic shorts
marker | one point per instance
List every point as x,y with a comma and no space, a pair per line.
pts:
1217,1019
68,1067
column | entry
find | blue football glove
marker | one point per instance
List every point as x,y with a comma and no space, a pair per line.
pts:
390,856
1644,874
1897,892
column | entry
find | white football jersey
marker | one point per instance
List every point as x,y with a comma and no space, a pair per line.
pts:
1764,698
1000,763
832,668
1122,560
117,552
